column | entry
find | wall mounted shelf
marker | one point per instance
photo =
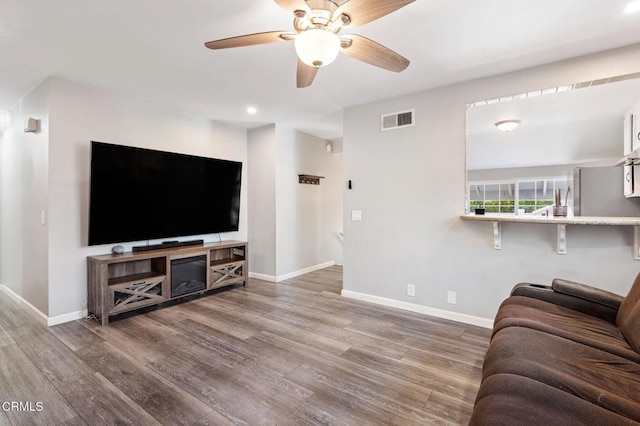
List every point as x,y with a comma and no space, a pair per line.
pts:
309,179
561,223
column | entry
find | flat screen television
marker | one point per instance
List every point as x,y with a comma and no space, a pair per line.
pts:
142,194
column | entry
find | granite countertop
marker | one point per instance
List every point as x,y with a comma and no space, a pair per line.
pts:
557,220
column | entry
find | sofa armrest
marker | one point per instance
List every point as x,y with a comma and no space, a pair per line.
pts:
586,292
575,296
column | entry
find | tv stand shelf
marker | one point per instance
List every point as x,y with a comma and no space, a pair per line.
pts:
136,278
219,262
126,282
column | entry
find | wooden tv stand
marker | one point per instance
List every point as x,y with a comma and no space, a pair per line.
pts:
118,283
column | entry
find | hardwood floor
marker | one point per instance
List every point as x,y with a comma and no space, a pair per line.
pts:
292,353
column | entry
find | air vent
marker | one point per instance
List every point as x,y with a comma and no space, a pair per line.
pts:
397,120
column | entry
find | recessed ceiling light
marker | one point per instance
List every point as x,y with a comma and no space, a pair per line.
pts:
507,125
632,7
252,110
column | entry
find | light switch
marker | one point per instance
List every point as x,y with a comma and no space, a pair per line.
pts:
356,215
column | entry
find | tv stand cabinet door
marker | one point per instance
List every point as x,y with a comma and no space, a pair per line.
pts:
226,274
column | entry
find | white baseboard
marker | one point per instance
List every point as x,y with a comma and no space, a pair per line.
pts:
37,313
434,312
304,271
26,306
262,277
277,279
71,316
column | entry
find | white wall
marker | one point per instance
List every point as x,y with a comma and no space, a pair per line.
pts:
23,176
1,186
522,172
410,186
292,226
308,217
261,147
79,114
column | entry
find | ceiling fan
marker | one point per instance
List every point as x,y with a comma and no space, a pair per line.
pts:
317,43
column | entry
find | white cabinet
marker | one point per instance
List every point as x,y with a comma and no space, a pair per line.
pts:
628,133
631,158
632,130
635,127
631,181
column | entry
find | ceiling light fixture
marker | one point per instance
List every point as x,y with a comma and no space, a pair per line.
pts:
317,47
632,7
507,125
252,110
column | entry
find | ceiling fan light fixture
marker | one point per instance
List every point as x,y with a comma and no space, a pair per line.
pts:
507,125
317,47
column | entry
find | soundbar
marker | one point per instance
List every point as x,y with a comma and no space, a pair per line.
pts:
167,244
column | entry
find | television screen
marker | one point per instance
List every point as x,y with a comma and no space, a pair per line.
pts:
142,194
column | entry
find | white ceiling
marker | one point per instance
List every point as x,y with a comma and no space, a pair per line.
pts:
579,126
153,50
583,104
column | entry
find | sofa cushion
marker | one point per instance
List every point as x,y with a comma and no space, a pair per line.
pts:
513,400
598,377
628,319
519,311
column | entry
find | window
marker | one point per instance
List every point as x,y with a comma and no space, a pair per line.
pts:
495,198
536,195
531,196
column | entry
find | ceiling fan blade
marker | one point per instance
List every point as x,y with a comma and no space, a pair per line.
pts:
249,40
305,74
363,11
293,5
365,50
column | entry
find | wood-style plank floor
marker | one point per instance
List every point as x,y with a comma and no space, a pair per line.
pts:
292,353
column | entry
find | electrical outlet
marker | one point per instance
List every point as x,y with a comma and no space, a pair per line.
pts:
356,215
411,290
451,297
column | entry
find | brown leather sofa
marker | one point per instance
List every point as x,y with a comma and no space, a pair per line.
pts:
565,354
